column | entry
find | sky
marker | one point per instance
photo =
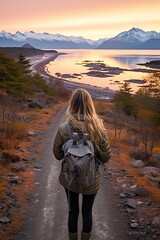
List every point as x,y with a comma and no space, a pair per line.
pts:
92,19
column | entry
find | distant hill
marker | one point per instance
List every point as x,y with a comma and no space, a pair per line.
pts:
135,38
26,45
14,52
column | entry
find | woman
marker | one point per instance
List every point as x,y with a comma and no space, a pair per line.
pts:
81,116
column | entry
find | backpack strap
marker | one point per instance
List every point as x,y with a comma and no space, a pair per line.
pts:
75,138
72,135
85,137
69,130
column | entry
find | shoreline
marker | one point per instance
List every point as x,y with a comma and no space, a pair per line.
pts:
97,92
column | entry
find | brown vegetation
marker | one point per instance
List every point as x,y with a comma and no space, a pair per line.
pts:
124,149
37,120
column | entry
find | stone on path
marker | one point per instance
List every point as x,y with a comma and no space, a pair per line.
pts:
156,221
148,170
138,163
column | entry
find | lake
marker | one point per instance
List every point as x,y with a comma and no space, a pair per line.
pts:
103,68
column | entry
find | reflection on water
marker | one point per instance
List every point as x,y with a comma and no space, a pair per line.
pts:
71,66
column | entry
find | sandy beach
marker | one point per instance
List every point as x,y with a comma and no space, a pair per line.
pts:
39,63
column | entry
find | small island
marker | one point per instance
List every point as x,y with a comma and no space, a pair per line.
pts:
151,64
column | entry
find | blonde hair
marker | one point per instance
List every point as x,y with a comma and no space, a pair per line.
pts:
82,116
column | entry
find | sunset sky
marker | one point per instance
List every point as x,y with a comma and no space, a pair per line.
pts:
91,19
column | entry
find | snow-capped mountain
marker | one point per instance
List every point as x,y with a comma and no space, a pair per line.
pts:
47,40
134,38
137,35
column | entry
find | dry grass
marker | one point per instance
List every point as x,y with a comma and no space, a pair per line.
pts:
156,150
22,192
102,106
123,161
13,135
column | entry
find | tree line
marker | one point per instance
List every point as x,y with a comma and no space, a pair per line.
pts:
18,83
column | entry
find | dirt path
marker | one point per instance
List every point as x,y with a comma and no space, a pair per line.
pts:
47,215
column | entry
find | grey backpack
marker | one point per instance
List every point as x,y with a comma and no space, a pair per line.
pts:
78,166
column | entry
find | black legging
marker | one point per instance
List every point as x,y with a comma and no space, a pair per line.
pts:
87,204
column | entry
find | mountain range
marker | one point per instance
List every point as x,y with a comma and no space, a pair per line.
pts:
135,38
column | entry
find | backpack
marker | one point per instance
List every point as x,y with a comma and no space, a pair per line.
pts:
79,165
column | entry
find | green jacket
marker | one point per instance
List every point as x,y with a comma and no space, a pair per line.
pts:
103,156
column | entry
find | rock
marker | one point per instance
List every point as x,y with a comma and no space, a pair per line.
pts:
35,103
38,168
5,220
26,159
11,157
122,195
15,181
134,225
151,171
140,203
155,179
128,189
138,163
130,210
23,150
140,155
132,203
149,202
133,141
156,221
31,133
17,167
156,156
140,191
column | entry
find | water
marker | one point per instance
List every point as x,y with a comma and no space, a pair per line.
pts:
74,64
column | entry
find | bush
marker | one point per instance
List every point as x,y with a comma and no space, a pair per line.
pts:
12,130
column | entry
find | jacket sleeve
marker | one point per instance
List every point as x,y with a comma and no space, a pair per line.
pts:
104,154
57,146
61,137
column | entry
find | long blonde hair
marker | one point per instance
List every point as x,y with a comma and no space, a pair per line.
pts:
82,115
